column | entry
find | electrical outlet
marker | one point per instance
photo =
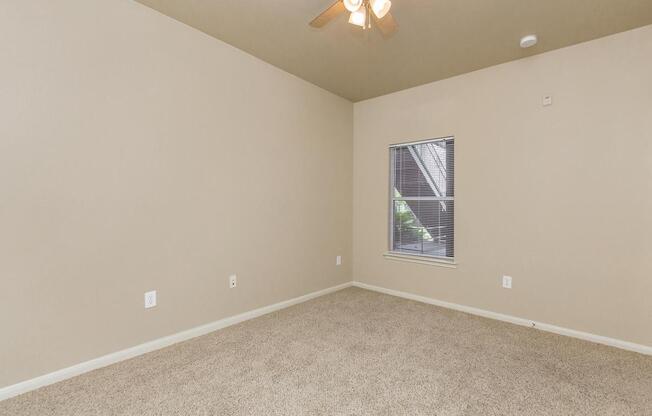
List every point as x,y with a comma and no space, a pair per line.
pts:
150,299
507,282
338,260
547,100
233,281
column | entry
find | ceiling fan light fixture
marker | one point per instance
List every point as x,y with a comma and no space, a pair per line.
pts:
359,17
353,5
380,7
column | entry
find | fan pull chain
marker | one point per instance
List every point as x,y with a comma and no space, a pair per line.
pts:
368,14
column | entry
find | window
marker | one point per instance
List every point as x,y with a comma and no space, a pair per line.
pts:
422,199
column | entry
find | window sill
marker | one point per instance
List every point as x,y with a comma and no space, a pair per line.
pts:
431,261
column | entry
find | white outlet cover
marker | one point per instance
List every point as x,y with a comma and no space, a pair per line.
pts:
233,281
507,282
150,299
547,100
338,260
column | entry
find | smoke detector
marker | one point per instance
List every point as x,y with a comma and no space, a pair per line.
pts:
529,41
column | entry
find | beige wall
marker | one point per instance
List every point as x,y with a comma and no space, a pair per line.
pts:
558,197
137,153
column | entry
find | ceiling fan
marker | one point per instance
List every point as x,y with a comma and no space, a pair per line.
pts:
362,12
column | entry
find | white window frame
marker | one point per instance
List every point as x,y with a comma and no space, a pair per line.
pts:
410,257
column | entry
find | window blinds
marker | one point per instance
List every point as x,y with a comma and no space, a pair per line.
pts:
422,197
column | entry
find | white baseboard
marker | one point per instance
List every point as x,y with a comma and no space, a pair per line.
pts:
75,370
599,339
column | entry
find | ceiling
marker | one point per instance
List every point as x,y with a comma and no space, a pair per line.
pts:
436,39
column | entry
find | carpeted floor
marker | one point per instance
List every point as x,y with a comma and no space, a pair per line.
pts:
357,352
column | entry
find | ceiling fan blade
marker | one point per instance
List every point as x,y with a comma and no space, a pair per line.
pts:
387,24
328,14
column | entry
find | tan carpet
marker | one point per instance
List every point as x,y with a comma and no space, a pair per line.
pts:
357,352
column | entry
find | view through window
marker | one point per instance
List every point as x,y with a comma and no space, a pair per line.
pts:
423,198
